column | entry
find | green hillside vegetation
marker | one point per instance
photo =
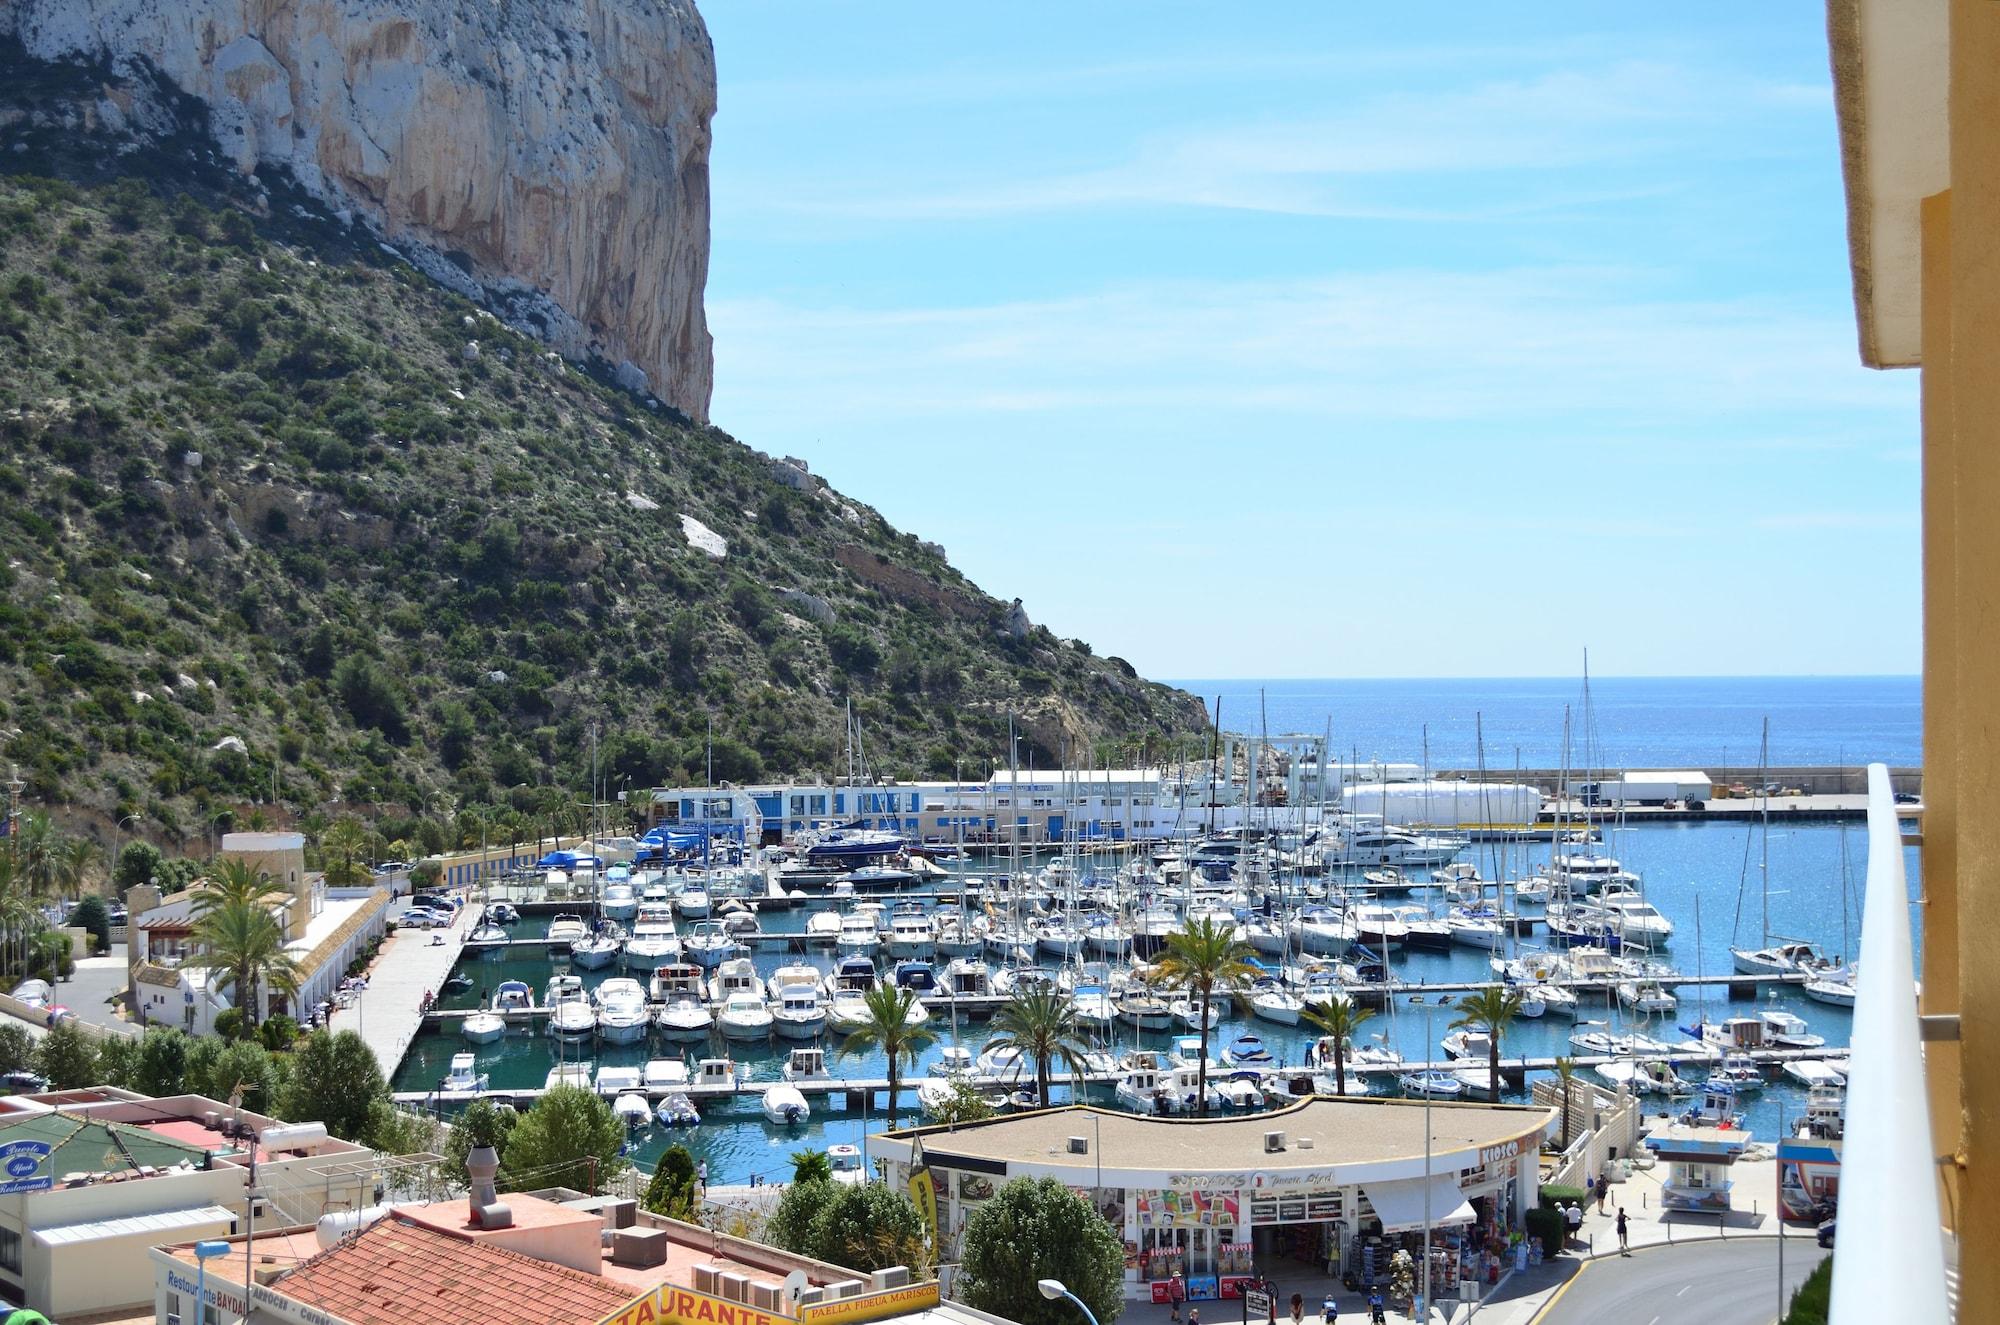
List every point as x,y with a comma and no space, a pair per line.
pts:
256,482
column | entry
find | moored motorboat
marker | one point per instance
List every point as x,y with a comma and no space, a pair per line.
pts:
785,1105
678,1110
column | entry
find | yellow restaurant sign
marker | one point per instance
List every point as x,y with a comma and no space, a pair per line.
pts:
669,1304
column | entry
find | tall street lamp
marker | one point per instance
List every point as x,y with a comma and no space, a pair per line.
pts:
130,818
1429,1007
1053,1289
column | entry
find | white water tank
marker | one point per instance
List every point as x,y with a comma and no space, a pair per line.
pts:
332,1228
293,1136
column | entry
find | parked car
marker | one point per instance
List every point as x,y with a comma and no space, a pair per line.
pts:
1826,1233
24,1083
1908,798
418,917
437,902
392,867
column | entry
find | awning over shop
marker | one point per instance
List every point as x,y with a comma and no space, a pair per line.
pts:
1399,1203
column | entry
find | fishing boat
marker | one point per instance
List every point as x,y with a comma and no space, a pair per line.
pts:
622,1014
678,1110
798,1013
1247,1050
464,1075
1139,1085
1188,1012
785,1105
1647,996
1737,1071
1183,1086
513,996
709,944
846,1163
674,979
805,1065
967,977
738,975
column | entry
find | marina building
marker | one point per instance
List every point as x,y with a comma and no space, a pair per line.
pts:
117,1173
1335,1184
325,929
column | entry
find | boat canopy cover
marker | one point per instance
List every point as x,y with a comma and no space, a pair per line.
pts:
1399,1202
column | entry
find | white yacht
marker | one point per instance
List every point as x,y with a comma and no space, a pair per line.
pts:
1475,928
1104,936
806,1065
860,933
1323,930
1380,927
1788,1030
744,1016
966,977
572,1018
622,1015
483,1027
911,934
567,929
798,1014
653,943
709,944
1586,873
684,1019
1647,996
1382,844
1783,958
823,927
1060,939
1267,934
464,1075
1273,1002
1636,919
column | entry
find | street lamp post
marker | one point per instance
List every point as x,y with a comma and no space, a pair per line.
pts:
1428,1007
204,1252
130,818
1053,1289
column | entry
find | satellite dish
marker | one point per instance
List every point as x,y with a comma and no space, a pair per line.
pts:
795,1285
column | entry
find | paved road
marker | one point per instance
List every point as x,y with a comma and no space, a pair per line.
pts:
1713,1283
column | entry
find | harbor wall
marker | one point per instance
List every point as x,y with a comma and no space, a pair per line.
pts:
1813,780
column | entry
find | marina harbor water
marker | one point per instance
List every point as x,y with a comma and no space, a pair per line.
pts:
1704,879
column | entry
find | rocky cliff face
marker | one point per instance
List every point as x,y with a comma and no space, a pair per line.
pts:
548,156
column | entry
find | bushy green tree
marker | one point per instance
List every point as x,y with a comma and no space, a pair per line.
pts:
482,1124
790,1224
864,1228
17,1048
217,1068
138,862
91,917
673,1191
67,1057
811,1165
569,1139
118,1061
335,1080
162,1065
1034,1229
278,1032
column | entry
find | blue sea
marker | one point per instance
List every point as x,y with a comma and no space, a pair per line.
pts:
1712,723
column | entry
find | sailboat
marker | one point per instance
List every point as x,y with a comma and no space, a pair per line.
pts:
1778,955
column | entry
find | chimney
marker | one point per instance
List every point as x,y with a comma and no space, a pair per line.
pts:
482,1163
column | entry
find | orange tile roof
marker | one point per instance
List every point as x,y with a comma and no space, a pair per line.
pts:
396,1272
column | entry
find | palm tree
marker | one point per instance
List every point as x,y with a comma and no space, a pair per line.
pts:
341,848
1040,1023
235,882
37,846
888,1029
242,941
74,857
1489,1010
1565,1075
1337,1019
1204,957
811,1166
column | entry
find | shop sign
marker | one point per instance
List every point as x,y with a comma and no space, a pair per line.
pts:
1257,1305
217,1288
872,1306
668,1305
1506,1150
1207,1182
24,1167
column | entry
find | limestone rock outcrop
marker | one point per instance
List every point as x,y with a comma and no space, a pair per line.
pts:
548,156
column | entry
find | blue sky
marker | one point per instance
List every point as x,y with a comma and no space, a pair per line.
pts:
1328,340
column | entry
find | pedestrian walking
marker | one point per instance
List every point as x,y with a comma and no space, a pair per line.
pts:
701,1176
1573,1216
1603,1190
1329,1311
1173,1308
1298,1309
1194,1316
1624,1246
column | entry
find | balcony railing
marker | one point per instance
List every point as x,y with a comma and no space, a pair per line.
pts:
1888,1168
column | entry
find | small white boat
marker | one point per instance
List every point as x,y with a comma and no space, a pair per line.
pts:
572,1018
1834,988
1647,996
568,1074
1476,927
846,1161
744,1017
1323,930
1275,1003
487,937
1788,1030
823,927
500,913
567,929
678,1110
653,942
620,901
1187,1012
806,1065
692,902
1468,1043
1004,1061
1779,959
1809,1073
1247,1050
710,943
785,1105
483,1027
1645,1077
513,996
464,1075
660,1074
632,1110
1438,1085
